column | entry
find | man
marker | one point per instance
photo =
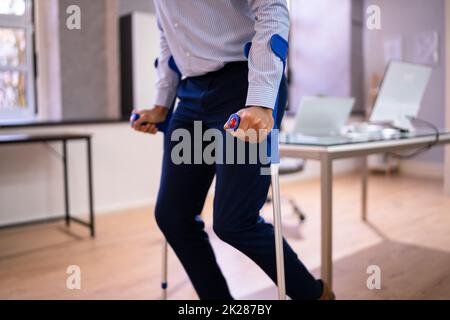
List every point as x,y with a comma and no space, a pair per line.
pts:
206,38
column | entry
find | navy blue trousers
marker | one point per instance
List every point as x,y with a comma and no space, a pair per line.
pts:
240,193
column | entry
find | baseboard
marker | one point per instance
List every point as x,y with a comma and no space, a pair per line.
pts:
422,169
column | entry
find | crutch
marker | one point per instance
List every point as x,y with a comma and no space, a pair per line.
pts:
280,48
162,127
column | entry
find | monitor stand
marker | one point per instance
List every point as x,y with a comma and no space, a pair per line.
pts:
404,124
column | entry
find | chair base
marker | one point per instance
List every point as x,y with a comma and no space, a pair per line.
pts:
295,208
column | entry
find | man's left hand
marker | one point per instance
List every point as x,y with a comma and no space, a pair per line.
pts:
256,124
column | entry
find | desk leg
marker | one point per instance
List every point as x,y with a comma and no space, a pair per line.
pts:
66,183
90,187
364,185
326,167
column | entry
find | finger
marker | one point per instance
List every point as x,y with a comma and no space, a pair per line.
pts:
262,134
245,120
138,124
143,119
234,134
146,127
137,128
151,128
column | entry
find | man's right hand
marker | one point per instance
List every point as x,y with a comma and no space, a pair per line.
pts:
149,119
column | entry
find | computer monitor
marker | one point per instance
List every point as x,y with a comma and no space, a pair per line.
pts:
322,116
401,94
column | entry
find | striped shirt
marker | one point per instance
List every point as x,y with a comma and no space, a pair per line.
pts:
204,35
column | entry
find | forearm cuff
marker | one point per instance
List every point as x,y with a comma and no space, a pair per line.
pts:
165,96
262,97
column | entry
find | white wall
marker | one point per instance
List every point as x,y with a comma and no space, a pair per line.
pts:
145,34
126,168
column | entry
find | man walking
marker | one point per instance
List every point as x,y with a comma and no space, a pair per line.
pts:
206,39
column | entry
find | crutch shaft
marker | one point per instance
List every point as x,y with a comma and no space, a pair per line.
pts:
281,281
164,283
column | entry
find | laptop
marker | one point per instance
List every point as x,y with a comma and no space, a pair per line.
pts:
401,94
322,116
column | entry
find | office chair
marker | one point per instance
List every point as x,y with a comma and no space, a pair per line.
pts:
289,166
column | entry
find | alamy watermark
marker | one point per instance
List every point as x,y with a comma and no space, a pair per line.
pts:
213,146
374,280
373,21
73,281
73,21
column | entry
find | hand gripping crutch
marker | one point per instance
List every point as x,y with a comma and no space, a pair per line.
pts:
162,127
280,48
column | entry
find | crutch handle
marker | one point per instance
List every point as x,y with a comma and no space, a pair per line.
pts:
162,127
135,117
234,122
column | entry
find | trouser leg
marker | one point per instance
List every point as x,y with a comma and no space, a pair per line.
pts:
180,202
241,192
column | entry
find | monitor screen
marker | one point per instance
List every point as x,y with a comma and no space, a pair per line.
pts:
401,93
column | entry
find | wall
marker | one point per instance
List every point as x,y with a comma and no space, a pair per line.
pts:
69,88
89,61
88,93
320,49
128,6
357,55
408,18
447,85
126,168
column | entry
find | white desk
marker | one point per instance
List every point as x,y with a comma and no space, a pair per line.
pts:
326,150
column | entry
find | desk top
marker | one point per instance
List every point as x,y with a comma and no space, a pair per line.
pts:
28,138
297,146
359,138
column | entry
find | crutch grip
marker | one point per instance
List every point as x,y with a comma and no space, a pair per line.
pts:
162,127
135,117
234,122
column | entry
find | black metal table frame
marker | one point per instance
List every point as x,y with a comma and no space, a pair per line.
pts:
64,139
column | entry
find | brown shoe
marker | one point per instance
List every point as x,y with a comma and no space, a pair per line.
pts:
327,294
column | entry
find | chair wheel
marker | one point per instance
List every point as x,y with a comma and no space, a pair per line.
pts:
300,214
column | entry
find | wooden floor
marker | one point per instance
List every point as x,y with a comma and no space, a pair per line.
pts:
408,237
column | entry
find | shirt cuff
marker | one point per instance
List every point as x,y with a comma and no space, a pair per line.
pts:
165,96
262,97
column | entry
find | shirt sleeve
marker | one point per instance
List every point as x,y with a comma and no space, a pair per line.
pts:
167,79
265,68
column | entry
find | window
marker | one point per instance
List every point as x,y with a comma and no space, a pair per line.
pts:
17,94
